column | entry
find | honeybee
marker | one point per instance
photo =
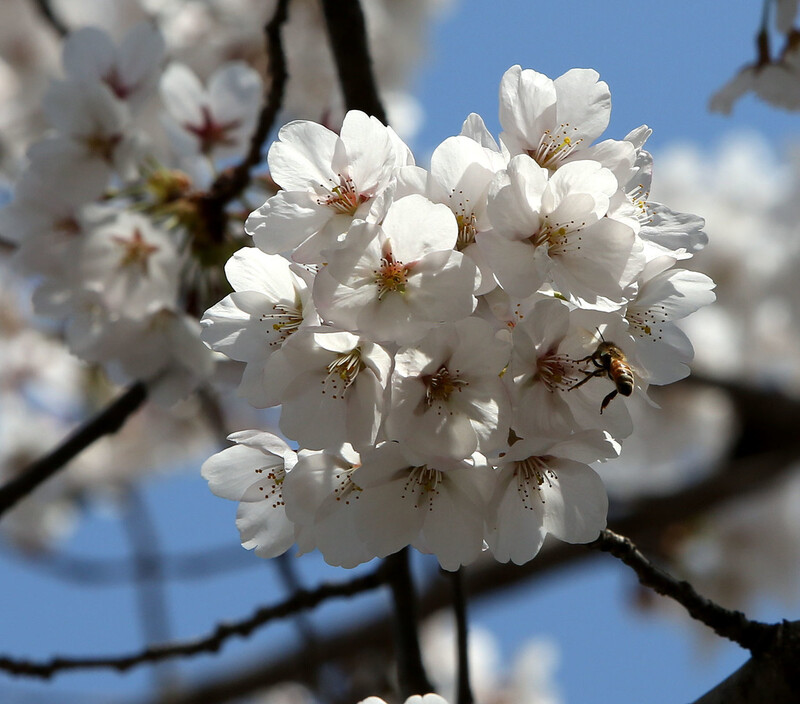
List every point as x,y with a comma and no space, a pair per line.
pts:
610,361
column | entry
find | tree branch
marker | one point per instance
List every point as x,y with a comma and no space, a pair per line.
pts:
232,182
463,689
733,625
46,11
411,671
301,601
347,32
106,422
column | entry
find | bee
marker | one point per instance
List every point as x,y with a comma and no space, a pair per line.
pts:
609,361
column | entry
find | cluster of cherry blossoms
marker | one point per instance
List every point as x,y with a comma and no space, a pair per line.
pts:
446,345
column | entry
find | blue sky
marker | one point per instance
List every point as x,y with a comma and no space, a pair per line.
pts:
662,62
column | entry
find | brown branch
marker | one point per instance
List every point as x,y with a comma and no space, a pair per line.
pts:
463,688
47,12
772,677
349,647
232,182
411,672
733,625
300,601
347,32
97,572
108,421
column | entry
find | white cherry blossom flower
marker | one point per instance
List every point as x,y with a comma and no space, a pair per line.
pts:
461,172
661,229
95,130
549,360
215,121
271,300
556,121
552,229
253,472
546,487
394,282
416,699
130,71
321,494
331,385
163,349
665,295
126,265
437,505
328,181
447,395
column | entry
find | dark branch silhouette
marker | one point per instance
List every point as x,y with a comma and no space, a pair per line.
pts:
46,10
349,42
463,688
300,601
108,421
232,182
411,672
733,625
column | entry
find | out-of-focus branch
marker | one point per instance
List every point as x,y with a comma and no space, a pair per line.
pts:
463,688
151,595
97,572
772,677
46,11
348,34
301,601
232,182
108,421
733,625
411,672
768,421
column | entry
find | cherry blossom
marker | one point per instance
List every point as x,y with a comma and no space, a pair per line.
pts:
394,282
547,487
438,505
328,181
252,472
447,395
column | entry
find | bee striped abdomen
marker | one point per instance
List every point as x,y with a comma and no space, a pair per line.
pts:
622,376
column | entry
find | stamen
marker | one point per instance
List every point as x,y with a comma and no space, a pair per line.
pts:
271,484
392,276
344,368
344,198
440,386
286,320
466,230
555,371
422,484
346,489
531,474
555,147
136,251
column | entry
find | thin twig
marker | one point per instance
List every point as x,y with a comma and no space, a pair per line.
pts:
411,671
108,421
463,688
285,565
348,35
150,592
733,625
232,182
301,601
46,10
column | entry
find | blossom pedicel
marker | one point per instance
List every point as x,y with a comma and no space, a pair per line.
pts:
447,346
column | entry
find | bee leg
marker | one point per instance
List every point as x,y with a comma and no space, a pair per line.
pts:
607,400
589,375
